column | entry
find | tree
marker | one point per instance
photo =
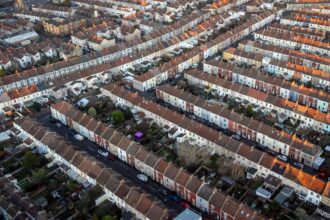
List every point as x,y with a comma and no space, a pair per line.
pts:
249,111
71,186
224,165
237,171
128,114
191,154
213,162
92,112
67,2
52,185
30,160
88,198
106,210
274,208
2,73
309,84
118,117
36,106
182,84
38,176
108,217
231,104
301,213
38,27
194,89
327,36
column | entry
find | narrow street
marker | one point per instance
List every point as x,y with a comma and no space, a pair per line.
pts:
127,172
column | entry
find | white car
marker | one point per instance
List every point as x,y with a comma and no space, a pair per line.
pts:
299,165
78,137
142,177
103,153
282,157
195,65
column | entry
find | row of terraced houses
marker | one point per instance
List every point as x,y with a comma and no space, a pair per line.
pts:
307,186
124,51
122,193
118,58
248,128
176,179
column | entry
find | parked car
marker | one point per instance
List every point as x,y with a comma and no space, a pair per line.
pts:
72,132
52,120
184,205
217,58
103,153
271,152
164,192
173,198
58,124
299,165
142,177
321,176
111,157
78,137
237,137
283,158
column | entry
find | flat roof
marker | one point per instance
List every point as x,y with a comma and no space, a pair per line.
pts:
21,37
4,136
188,214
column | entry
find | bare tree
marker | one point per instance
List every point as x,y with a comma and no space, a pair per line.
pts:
228,167
182,84
301,213
237,171
192,154
224,164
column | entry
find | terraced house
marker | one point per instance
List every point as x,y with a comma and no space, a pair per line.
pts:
308,116
246,127
176,179
123,193
307,186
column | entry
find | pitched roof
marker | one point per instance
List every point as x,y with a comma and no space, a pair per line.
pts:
161,166
182,177
217,199
171,172
230,207
205,192
245,213
144,204
193,184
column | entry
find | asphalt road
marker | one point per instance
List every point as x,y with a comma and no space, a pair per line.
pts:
126,171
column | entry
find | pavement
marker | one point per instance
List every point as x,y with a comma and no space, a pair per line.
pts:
128,172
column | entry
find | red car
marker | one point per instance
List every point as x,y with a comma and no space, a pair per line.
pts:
184,205
111,157
322,175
